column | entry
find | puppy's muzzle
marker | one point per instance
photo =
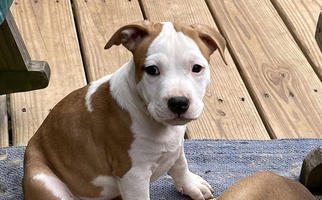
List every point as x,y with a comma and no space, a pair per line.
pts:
178,105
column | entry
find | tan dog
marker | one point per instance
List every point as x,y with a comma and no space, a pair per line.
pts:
116,135
266,186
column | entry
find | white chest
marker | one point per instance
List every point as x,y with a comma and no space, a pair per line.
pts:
155,149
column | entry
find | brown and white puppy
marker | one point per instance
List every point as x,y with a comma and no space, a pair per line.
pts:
114,136
266,186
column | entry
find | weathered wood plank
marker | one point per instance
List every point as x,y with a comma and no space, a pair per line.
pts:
301,19
4,134
97,21
285,88
229,111
48,30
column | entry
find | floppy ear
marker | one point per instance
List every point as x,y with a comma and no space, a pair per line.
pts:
130,35
212,38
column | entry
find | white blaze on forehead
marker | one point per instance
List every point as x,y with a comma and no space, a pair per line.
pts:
172,42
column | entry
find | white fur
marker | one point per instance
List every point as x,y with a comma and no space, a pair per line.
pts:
55,186
92,89
109,185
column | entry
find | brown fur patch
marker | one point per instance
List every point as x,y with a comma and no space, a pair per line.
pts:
79,146
207,38
266,186
139,53
193,34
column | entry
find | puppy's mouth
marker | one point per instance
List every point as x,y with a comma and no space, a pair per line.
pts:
179,120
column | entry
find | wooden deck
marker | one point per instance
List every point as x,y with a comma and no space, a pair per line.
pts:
271,87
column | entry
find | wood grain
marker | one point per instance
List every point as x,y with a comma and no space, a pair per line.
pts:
301,18
48,30
285,88
97,21
229,111
4,133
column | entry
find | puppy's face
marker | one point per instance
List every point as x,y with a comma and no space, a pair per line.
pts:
175,75
171,66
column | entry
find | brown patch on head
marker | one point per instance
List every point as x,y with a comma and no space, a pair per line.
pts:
139,53
136,37
207,39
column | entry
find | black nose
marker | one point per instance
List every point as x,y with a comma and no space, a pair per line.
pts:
178,105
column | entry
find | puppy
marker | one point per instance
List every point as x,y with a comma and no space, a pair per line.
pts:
114,136
266,186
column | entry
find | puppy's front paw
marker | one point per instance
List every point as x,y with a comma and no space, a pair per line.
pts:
194,186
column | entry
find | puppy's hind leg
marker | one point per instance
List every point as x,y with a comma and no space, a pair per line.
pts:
42,184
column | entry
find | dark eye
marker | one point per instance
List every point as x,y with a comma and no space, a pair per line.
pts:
152,70
197,68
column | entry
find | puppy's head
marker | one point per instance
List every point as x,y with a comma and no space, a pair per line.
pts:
171,66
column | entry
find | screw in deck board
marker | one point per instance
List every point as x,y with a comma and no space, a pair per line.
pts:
220,100
282,75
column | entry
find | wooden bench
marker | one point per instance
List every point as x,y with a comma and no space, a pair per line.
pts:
18,72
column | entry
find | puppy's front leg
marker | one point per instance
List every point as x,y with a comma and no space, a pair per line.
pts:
135,184
188,183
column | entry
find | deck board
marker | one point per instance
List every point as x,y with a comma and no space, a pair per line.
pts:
270,89
4,133
97,21
281,80
229,111
301,18
48,30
